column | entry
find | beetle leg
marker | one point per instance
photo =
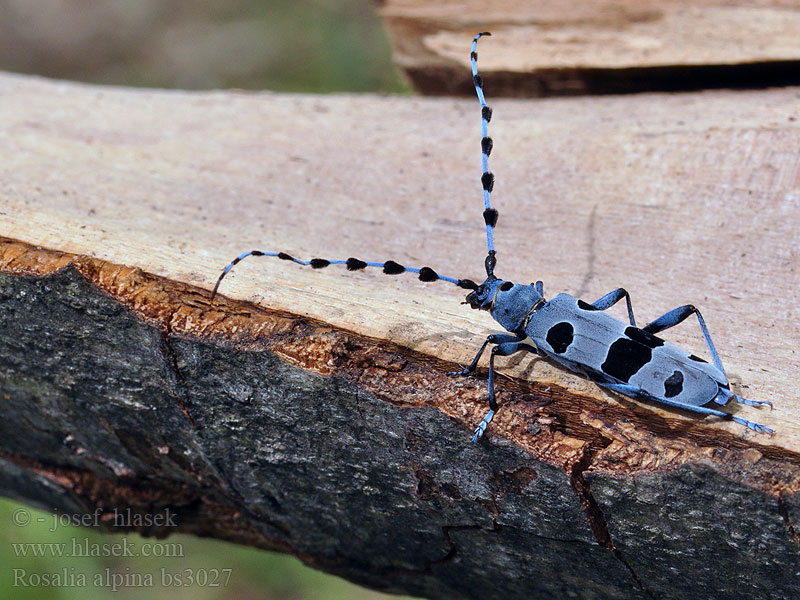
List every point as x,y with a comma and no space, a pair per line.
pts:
502,349
678,315
495,338
611,298
634,392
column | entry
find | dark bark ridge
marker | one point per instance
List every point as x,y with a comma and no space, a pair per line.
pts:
124,390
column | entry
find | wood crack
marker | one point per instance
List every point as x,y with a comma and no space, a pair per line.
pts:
784,512
171,362
594,513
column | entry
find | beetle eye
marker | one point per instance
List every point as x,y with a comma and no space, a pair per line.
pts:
506,286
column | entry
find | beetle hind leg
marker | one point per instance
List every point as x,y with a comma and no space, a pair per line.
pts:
482,426
678,315
634,392
754,426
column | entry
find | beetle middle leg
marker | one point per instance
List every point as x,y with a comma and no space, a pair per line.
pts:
611,298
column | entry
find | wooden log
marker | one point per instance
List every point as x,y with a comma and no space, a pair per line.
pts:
309,410
611,46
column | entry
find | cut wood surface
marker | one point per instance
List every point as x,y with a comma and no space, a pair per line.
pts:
556,47
147,195
677,198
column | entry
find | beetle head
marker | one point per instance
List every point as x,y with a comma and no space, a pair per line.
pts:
482,297
509,303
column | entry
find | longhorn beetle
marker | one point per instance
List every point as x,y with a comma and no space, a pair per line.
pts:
579,336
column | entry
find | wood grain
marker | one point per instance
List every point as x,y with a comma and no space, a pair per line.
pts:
678,198
562,48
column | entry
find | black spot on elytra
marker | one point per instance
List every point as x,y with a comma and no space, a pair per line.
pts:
284,256
507,285
697,358
487,180
586,306
319,263
673,385
560,336
643,337
428,274
486,145
490,216
392,268
486,113
624,359
354,264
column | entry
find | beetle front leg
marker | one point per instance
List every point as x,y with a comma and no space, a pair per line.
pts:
495,338
502,349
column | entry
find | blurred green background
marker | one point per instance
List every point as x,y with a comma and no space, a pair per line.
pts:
297,45
30,553
315,46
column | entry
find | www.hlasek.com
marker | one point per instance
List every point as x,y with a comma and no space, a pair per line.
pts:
83,547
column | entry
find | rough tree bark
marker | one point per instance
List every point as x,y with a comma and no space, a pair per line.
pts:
309,411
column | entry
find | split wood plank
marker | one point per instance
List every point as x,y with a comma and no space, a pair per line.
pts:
563,48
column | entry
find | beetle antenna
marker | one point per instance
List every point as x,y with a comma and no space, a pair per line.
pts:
353,264
487,177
